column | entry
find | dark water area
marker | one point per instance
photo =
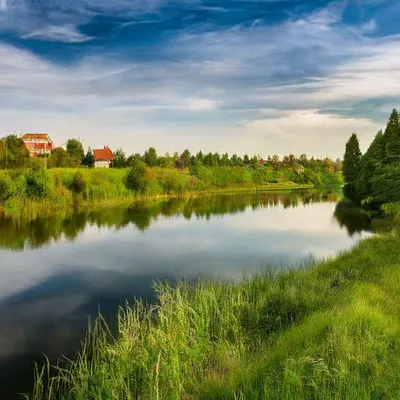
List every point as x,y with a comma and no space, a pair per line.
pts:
56,272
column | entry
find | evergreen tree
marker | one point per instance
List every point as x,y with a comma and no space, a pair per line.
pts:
392,137
88,160
369,163
352,159
200,157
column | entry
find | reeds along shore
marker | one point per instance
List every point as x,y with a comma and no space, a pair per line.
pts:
326,331
67,187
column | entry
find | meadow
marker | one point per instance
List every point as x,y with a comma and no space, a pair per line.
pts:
326,331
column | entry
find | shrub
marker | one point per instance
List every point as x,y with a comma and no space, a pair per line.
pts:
7,188
38,182
79,183
170,181
136,179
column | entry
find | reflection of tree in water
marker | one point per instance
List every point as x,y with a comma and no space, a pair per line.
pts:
353,218
18,233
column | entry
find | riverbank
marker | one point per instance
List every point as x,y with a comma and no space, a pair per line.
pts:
328,330
46,191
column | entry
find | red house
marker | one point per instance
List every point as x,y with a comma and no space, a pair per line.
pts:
38,143
103,157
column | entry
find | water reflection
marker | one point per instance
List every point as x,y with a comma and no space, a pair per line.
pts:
19,234
56,271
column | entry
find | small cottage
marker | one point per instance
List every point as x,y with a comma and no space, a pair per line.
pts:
103,157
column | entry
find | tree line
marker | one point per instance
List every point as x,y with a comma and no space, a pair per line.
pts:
13,154
373,178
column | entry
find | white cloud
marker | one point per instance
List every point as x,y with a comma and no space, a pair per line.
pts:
260,74
201,104
60,33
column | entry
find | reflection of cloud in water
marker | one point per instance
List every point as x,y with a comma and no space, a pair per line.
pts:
101,258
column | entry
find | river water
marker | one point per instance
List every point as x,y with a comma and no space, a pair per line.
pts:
57,271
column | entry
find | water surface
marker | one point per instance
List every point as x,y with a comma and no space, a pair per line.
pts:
57,271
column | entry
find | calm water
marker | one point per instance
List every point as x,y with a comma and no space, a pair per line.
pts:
56,272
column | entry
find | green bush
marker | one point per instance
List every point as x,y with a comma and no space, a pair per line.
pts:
136,179
38,182
7,188
79,183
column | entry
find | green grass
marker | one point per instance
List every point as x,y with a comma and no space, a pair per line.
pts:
327,331
106,187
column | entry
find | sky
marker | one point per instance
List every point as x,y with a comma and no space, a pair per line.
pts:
242,76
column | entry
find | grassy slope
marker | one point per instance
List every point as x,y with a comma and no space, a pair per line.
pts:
330,331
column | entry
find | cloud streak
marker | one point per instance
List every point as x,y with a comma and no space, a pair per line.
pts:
199,82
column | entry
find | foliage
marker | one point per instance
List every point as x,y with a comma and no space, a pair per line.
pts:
6,187
75,150
13,153
325,332
150,157
79,183
376,178
59,158
88,160
38,182
136,179
119,159
351,160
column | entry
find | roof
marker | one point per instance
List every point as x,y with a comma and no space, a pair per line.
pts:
37,136
103,154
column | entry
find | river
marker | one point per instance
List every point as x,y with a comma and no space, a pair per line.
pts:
57,271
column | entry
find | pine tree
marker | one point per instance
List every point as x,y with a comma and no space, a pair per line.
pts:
352,159
392,137
369,162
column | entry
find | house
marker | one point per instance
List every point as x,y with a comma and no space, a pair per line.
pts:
38,144
103,157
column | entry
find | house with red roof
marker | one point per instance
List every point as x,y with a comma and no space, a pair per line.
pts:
38,144
103,157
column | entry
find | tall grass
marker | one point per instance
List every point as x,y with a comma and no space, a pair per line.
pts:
329,331
60,188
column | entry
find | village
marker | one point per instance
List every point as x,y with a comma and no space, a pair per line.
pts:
41,145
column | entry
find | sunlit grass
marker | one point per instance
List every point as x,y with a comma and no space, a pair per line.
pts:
329,331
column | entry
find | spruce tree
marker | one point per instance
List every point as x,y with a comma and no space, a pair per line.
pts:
352,159
369,162
392,137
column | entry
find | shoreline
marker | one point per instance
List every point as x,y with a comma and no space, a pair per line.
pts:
264,337
16,208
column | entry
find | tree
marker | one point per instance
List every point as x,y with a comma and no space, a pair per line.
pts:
88,160
151,157
59,158
352,159
371,160
184,160
119,159
392,137
76,152
246,159
200,157
133,158
136,179
13,153
225,159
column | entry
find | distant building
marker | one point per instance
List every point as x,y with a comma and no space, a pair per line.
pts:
103,157
38,144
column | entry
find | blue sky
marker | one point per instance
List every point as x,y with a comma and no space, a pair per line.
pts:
256,76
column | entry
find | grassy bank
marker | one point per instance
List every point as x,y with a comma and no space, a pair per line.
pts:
329,331
33,190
